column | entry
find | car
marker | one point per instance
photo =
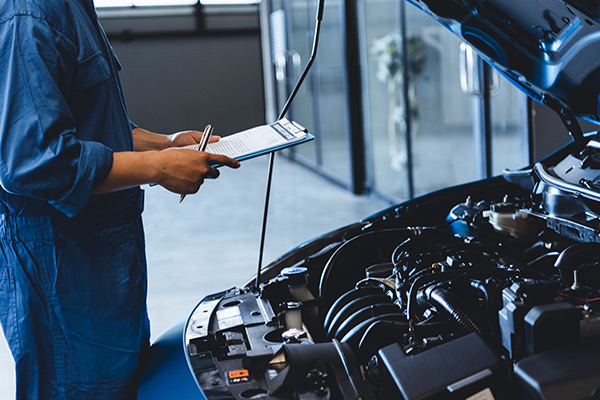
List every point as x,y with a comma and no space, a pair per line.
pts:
488,290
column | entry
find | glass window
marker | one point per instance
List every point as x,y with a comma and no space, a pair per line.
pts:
441,148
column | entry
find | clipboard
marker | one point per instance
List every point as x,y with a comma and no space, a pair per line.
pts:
260,140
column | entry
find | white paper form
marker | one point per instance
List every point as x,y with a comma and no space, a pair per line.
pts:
259,140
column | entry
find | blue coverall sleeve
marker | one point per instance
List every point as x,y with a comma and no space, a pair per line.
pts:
40,153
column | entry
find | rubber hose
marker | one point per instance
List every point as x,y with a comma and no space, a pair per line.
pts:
573,256
449,302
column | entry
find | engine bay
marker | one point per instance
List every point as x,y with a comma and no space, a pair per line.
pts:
488,290
494,296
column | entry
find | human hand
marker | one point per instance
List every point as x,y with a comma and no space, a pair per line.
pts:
183,171
188,138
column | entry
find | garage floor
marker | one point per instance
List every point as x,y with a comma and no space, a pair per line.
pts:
210,241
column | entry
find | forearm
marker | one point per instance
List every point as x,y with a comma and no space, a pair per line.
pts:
130,169
144,140
178,170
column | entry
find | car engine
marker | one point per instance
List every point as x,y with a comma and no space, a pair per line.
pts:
493,296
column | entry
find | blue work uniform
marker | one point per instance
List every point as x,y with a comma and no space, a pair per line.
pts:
72,265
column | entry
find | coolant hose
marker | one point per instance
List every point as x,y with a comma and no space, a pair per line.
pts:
573,256
446,300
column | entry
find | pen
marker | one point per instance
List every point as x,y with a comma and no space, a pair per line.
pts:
202,146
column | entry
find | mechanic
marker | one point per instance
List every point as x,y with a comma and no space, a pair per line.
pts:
72,262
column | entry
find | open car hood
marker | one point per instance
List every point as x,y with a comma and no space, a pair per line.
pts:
489,290
548,48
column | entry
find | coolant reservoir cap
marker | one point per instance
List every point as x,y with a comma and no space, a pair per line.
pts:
503,207
296,275
293,335
293,305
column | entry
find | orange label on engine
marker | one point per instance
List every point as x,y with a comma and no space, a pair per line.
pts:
240,373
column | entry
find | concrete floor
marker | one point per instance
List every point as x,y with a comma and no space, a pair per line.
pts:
210,241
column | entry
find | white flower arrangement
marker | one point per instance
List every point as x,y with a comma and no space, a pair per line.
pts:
390,69
388,54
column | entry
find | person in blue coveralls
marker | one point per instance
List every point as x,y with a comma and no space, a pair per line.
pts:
72,263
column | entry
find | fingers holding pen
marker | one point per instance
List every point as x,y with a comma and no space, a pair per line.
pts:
183,171
187,138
